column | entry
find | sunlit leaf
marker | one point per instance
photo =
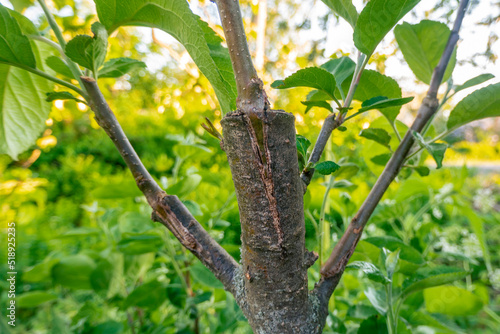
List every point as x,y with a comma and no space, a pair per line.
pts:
369,269
376,19
378,135
422,45
473,82
482,103
175,18
381,102
430,277
117,67
87,51
437,150
452,300
312,77
344,9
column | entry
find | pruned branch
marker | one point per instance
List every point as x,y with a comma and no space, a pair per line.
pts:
167,209
335,265
251,94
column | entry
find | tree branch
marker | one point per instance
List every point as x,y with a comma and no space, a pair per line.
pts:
167,209
335,265
251,94
332,122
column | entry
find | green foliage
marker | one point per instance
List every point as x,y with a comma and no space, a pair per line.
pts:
312,77
326,167
422,45
59,66
115,68
345,9
373,84
370,270
381,102
473,82
23,108
482,103
15,47
61,96
437,150
376,19
451,300
378,135
176,19
87,51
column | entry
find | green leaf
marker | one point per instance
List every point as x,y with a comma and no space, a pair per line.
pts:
15,47
134,244
185,186
175,18
149,295
391,262
326,167
102,275
23,109
381,102
204,276
451,300
409,258
381,159
74,271
59,66
117,67
341,68
430,277
421,170
344,9
108,327
372,272
40,272
437,150
378,135
302,145
52,96
319,104
482,103
376,19
375,324
34,298
87,51
377,298
422,45
312,77
478,228
473,82
346,171
27,27
371,84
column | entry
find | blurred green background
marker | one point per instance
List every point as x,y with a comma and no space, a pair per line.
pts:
89,259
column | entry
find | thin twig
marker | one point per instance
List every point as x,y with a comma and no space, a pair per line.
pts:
334,267
251,94
332,122
167,209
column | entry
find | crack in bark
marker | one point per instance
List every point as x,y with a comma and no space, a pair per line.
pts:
164,215
265,172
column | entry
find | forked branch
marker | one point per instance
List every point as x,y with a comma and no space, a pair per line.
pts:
335,265
167,209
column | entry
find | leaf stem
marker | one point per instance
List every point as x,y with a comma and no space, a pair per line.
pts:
49,77
324,234
60,38
333,121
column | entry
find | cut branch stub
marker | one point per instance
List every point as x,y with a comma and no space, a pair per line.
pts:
263,159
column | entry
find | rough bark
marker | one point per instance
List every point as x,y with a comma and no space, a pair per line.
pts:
263,159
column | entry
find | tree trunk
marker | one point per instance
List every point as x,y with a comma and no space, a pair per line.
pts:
263,158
